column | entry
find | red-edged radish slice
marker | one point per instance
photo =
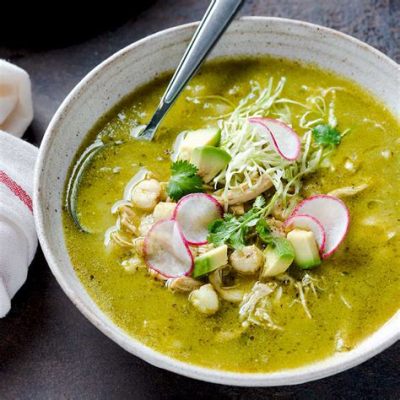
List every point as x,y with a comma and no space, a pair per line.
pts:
166,250
194,213
284,138
307,222
332,214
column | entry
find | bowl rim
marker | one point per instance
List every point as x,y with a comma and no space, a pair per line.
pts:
298,375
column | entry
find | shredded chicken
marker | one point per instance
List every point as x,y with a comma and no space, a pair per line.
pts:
244,193
156,275
302,298
121,240
302,289
124,231
127,216
237,209
132,264
348,191
276,226
183,284
199,250
138,244
256,306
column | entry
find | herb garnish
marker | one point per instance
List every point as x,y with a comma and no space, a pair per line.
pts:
326,135
235,231
184,180
263,231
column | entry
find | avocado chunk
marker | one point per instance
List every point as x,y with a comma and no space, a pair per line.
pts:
198,138
210,161
210,261
278,257
305,248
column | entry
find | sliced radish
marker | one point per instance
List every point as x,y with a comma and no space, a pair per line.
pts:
284,138
194,213
166,251
332,214
308,222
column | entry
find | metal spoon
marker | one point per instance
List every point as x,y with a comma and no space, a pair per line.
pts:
215,21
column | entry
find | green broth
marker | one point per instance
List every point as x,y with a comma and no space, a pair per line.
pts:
364,273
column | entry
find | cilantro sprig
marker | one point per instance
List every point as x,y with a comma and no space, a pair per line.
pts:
263,231
184,180
326,135
235,231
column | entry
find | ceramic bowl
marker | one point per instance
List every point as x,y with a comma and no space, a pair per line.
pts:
141,62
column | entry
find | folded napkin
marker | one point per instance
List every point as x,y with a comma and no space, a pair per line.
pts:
18,239
16,111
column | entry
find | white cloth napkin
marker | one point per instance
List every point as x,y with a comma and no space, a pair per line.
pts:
18,239
16,111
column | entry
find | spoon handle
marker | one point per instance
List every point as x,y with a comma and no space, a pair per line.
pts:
216,19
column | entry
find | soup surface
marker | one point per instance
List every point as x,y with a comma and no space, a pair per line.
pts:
351,294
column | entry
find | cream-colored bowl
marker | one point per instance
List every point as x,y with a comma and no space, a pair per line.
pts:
141,62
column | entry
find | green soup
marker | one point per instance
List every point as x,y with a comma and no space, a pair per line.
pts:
359,286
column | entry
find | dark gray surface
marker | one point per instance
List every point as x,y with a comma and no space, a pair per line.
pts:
48,350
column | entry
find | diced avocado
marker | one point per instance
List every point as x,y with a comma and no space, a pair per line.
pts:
278,257
198,138
305,248
209,160
210,261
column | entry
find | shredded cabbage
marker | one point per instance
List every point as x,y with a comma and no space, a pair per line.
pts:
252,153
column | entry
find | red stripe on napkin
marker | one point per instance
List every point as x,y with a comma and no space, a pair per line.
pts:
16,189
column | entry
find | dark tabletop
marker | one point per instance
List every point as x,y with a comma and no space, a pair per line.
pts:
48,350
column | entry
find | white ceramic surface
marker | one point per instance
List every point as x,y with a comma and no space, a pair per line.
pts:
141,62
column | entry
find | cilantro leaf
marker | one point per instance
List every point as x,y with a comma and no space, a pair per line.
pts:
227,231
221,229
234,231
184,180
238,238
265,234
263,231
251,217
326,135
283,245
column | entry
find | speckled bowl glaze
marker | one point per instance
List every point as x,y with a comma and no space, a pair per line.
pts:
141,62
